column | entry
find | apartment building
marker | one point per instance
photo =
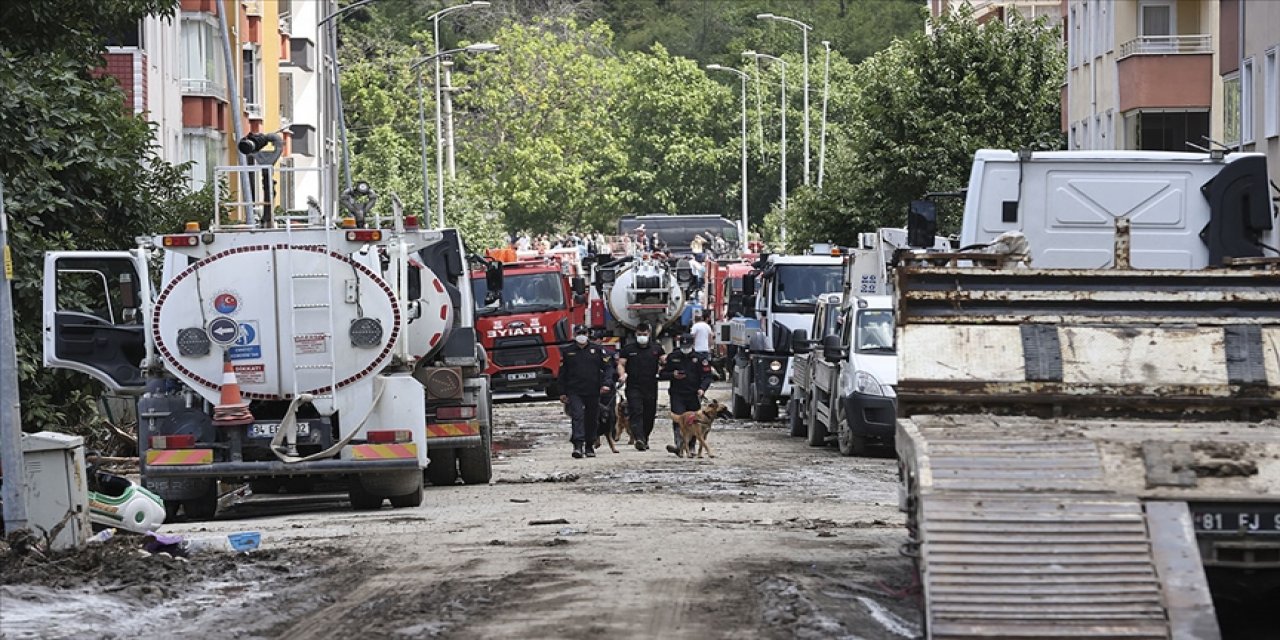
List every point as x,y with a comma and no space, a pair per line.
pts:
221,69
1250,68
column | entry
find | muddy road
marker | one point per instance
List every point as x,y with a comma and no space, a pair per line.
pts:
771,539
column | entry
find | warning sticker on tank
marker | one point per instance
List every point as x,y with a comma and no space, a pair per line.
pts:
303,345
247,346
251,373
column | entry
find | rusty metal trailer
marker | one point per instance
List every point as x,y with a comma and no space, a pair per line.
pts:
1088,453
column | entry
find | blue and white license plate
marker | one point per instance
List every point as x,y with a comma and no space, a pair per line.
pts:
527,375
269,429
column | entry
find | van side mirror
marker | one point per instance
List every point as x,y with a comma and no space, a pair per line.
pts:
800,341
493,282
415,282
748,286
831,351
579,286
922,223
128,291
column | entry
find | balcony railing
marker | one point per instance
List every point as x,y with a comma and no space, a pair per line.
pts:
202,87
1162,45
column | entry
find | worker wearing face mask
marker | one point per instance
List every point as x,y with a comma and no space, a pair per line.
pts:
690,376
638,365
585,375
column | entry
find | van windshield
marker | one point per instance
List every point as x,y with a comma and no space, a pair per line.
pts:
875,331
797,286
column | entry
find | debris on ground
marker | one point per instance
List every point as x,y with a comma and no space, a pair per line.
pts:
530,478
535,523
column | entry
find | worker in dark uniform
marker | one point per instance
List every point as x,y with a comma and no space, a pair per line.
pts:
638,364
690,376
585,375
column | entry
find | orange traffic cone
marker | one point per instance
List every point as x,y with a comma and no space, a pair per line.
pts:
232,410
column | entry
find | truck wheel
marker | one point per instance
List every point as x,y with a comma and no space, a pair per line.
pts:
475,465
553,391
795,420
765,411
740,407
203,507
361,499
850,444
443,470
408,500
817,434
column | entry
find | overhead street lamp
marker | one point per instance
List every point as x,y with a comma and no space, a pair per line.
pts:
480,47
337,83
783,153
805,52
826,93
435,30
742,238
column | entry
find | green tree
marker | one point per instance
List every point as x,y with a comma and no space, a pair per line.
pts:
921,108
79,170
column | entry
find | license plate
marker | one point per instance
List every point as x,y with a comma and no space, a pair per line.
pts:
1248,519
528,375
269,429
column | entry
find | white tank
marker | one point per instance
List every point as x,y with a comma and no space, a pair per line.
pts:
298,320
645,290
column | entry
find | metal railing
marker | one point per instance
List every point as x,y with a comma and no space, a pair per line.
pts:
1162,45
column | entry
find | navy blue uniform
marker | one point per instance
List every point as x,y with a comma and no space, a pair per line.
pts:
583,371
683,391
642,365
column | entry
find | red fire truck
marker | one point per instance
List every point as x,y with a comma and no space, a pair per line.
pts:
523,323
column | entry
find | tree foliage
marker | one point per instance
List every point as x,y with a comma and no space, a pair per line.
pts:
79,170
920,109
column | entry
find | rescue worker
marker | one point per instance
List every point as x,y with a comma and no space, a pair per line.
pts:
586,373
690,376
638,364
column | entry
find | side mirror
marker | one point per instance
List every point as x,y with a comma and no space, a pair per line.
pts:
922,223
493,282
748,286
579,286
415,282
800,341
831,351
128,291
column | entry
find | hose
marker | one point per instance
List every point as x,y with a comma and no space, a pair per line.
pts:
289,428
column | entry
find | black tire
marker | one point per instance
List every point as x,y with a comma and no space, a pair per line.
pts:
765,411
475,464
408,500
443,470
795,420
740,408
361,499
171,508
817,433
850,444
203,508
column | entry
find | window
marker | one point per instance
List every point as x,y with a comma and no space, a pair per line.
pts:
1170,130
1100,136
1085,141
130,37
203,149
1086,31
526,293
1231,108
1108,134
1073,38
1108,27
1156,18
286,98
1271,93
797,287
875,331
1246,101
1073,141
251,79
202,69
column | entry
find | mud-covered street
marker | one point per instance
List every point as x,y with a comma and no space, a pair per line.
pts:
771,538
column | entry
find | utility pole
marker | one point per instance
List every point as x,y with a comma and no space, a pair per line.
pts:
447,66
14,496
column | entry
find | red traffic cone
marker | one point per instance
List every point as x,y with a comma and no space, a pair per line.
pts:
232,410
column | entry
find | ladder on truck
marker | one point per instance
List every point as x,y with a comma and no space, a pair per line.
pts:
311,304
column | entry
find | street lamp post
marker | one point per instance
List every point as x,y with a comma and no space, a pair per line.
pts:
480,47
826,93
337,83
805,29
435,30
783,152
743,78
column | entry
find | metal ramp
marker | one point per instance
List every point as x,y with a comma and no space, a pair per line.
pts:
1022,539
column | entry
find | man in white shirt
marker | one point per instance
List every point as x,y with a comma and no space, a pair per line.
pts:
701,332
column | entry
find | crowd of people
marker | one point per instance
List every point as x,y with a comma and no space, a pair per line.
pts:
707,244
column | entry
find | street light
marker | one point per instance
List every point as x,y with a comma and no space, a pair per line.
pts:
479,47
743,77
826,93
435,30
805,51
765,56
337,83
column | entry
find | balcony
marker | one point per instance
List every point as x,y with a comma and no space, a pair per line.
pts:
1165,45
1166,72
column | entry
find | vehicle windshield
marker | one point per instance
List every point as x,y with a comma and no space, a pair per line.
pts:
830,321
875,331
525,293
798,286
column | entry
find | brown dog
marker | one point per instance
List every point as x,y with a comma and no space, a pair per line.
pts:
623,423
696,426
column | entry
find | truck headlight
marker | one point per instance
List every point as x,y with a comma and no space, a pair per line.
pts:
860,382
775,365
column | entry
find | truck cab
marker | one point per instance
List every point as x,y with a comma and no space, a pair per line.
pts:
826,321
785,291
523,324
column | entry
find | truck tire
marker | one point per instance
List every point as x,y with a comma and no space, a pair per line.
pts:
795,420
475,465
203,507
408,500
764,411
443,470
817,433
850,444
740,407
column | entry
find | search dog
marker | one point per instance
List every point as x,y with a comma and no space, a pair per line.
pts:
695,426
623,423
